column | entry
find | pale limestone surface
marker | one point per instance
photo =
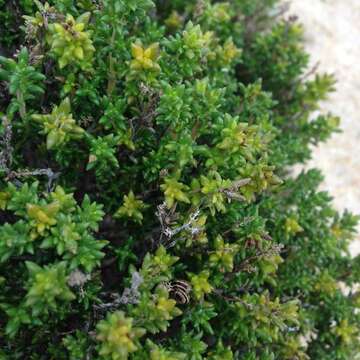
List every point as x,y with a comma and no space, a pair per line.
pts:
332,32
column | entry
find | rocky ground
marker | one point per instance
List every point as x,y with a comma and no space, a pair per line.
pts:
332,31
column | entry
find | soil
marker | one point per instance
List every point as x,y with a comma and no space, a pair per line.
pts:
332,34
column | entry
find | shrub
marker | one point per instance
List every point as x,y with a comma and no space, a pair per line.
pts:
146,204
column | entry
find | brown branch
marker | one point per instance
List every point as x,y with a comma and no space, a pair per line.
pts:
273,250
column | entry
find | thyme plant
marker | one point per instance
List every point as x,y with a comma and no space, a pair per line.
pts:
147,206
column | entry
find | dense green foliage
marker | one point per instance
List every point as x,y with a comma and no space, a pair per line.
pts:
146,205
